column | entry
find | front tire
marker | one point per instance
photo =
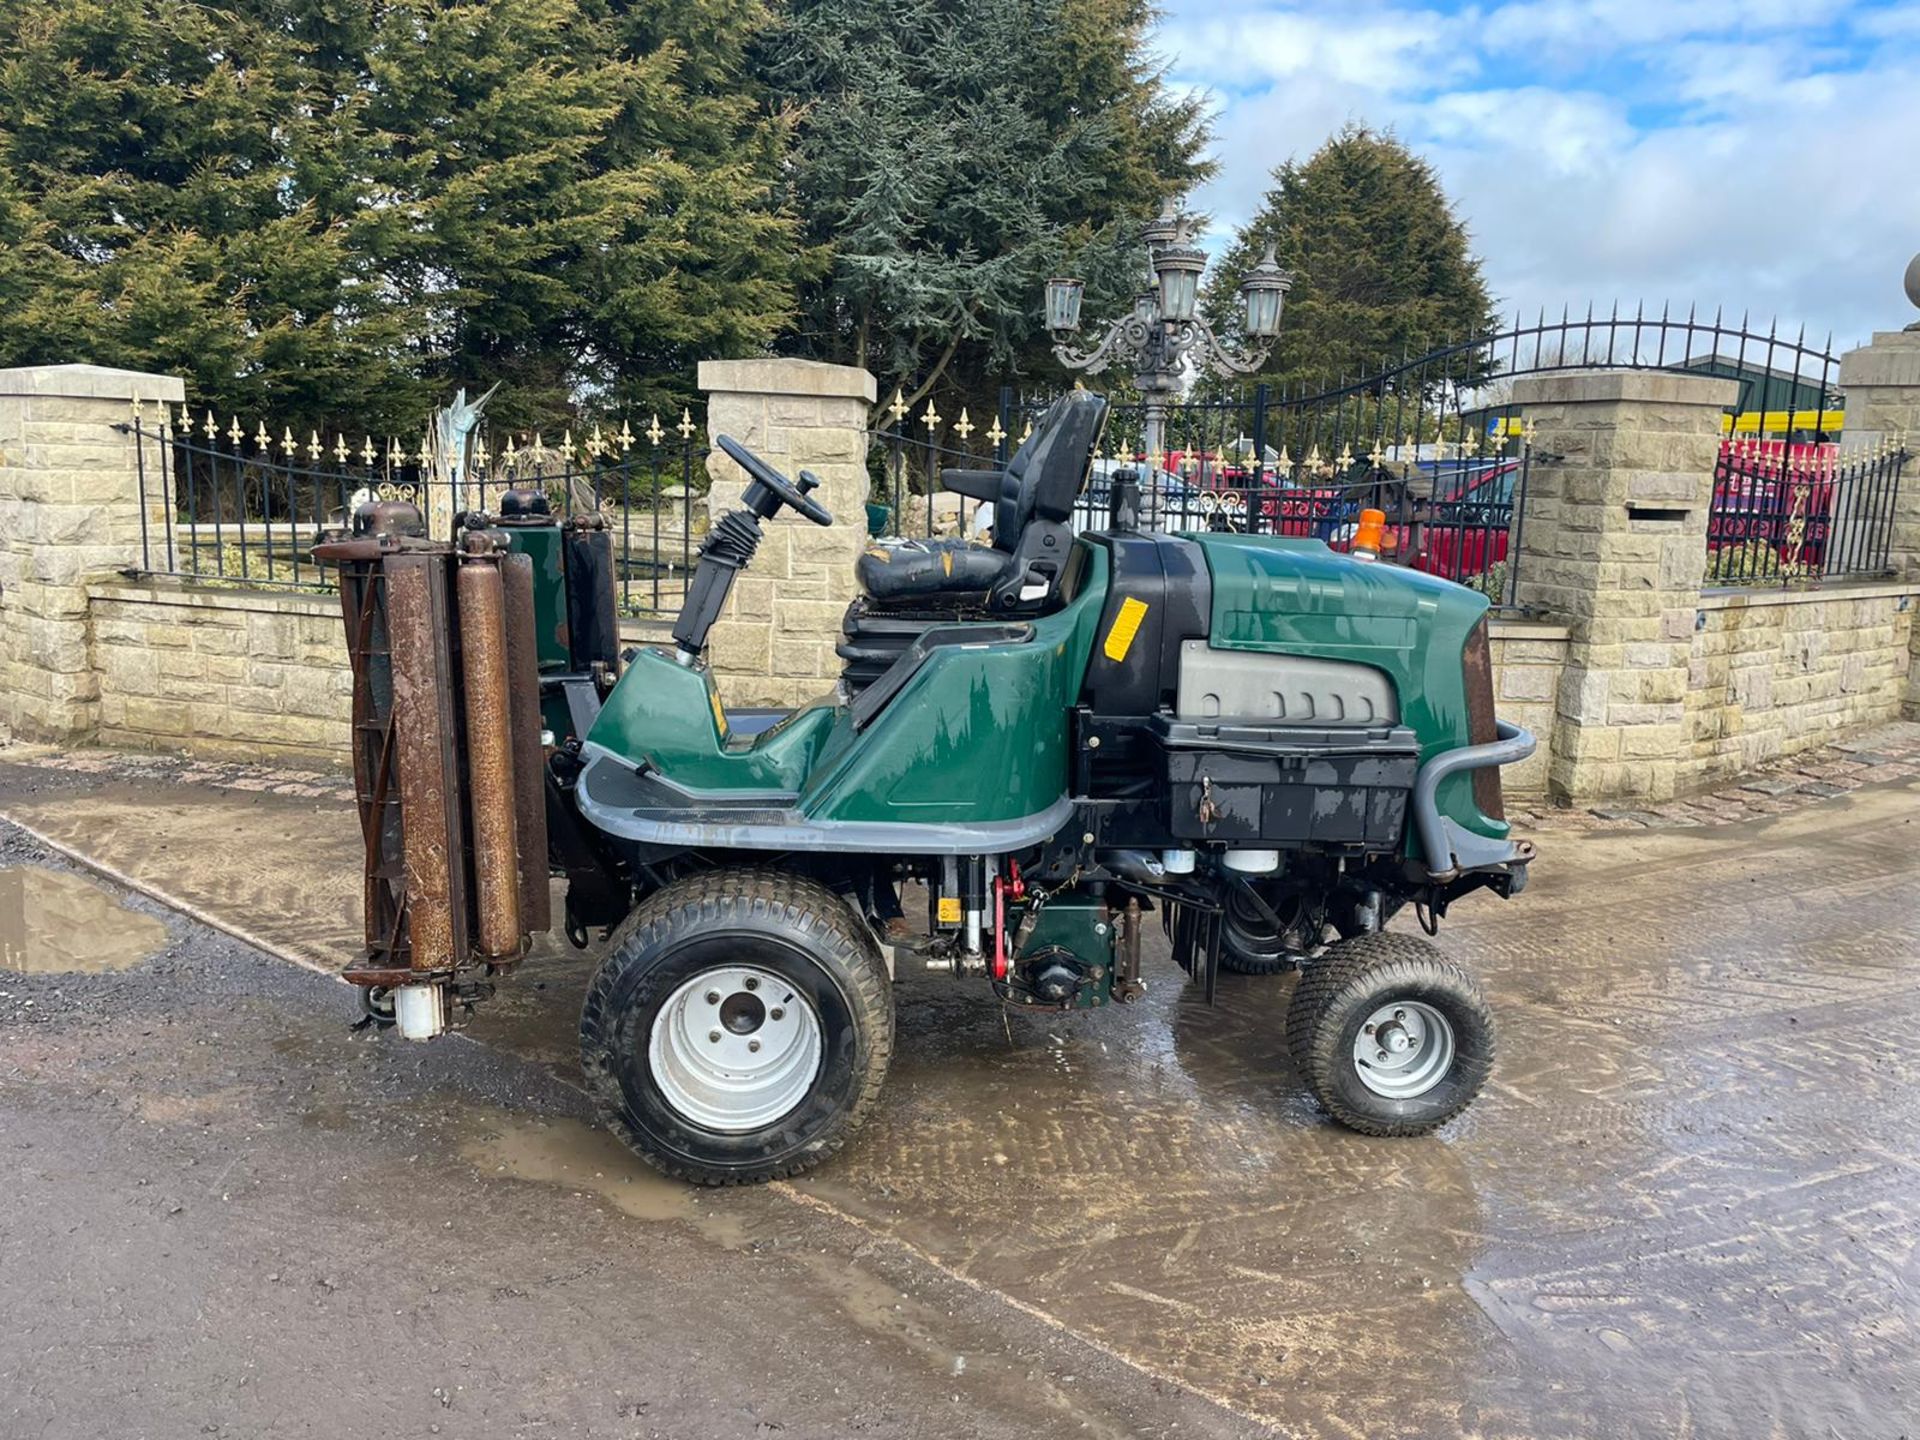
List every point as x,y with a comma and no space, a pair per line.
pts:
739,1028
1392,1037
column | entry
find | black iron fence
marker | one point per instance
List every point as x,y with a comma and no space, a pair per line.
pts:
1436,442
225,506
1785,513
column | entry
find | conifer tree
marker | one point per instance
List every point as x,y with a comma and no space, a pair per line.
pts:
952,154
1382,267
334,214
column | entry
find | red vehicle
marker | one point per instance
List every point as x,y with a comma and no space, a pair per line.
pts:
1776,496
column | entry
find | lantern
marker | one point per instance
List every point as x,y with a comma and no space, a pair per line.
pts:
1063,304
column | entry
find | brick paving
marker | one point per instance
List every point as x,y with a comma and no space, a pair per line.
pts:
184,770
1877,756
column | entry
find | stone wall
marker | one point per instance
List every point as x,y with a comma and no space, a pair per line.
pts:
1528,659
227,674
230,674
1882,385
1637,685
1615,546
70,510
1775,672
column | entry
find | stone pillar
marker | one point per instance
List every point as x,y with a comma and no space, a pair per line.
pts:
773,645
70,512
1614,547
1882,386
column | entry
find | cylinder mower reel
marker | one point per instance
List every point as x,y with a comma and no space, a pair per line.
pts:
1262,749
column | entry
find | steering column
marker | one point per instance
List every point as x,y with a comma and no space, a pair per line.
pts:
731,543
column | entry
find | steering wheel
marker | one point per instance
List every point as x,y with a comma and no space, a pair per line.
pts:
775,485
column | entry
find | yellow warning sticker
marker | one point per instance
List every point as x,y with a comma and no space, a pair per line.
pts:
719,715
949,909
1125,626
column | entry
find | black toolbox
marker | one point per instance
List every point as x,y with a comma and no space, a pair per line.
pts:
1282,787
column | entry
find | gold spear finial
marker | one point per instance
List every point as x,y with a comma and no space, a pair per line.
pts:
653,432
213,426
288,444
340,449
596,444
367,452
931,419
685,426
626,437
261,439
897,407
963,427
995,434
314,447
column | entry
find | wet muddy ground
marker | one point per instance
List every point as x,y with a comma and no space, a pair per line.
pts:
1688,1205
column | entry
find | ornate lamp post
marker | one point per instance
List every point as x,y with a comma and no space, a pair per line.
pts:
1164,332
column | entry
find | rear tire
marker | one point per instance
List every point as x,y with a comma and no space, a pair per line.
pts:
1391,1036
787,978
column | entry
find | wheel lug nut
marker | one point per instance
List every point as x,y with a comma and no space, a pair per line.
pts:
754,1046
1383,1054
713,997
776,1013
714,1036
752,984
1368,1029
1399,1014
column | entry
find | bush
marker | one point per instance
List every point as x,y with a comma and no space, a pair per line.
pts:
1752,562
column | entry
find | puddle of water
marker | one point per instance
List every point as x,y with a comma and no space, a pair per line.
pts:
565,1152
54,923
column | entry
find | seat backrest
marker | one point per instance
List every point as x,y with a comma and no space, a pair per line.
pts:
1046,474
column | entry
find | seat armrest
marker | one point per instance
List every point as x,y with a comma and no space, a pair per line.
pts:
974,484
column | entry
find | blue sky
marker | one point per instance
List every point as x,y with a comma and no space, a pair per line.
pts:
1758,154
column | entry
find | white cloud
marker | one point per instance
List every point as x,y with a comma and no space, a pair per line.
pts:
1605,148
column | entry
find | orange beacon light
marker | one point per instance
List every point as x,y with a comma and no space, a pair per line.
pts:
1367,537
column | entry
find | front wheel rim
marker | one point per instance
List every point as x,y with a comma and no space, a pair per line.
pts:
1403,1050
735,1048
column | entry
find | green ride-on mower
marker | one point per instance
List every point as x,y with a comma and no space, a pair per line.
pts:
1265,747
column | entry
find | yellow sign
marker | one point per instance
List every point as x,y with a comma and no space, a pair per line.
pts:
1782,422
949,909
1125,626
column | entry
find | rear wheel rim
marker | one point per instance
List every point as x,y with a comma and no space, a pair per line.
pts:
1403,1050
735,1048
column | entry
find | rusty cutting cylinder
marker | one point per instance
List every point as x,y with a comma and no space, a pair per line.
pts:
483,642
529,764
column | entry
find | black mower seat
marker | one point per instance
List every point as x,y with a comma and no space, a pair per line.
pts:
910,569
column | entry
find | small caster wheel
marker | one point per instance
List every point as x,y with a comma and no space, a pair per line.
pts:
1392,1037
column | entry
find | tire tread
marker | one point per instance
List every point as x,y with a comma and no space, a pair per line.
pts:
809,911
1379,961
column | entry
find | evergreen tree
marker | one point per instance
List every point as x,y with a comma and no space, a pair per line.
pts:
333,214
954,153
1382,268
